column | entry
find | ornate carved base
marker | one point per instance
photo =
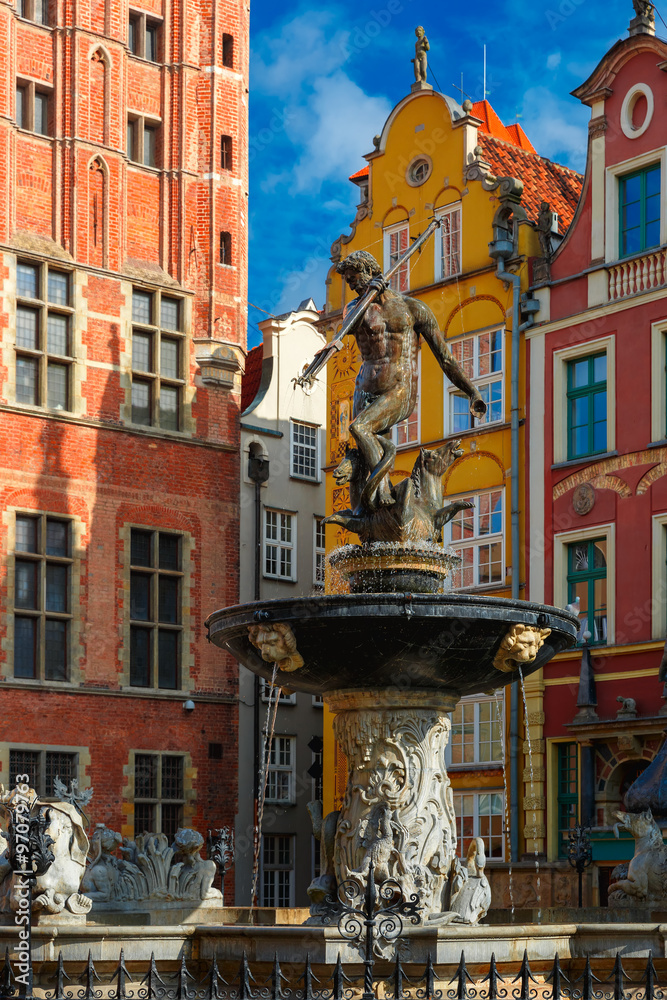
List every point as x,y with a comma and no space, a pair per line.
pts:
398,811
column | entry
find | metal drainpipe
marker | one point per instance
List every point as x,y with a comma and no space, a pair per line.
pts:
258,472
515,281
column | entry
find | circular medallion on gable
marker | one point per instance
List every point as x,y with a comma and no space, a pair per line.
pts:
583,500
637,110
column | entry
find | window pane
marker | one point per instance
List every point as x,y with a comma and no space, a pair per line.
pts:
171,819
57,378
169,408
131,148
132,36
58,288
26,576
140,657
58,765
21,100
168,600
170,314
600,368
141,403
145,776
41,114
169,551
144,818
141,548
140,597
25,635
168,659
151,43
142,307
27,280
169,358
41,8
172,777
57,334
26,328
150,142
57,537
461,418
56,587
26,534
55,658
141,352
24,762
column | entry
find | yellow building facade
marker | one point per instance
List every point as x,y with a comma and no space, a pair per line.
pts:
461,164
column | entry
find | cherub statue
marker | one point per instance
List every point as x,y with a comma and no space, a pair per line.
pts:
420,60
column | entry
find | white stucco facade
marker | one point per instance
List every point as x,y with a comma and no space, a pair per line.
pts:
283,426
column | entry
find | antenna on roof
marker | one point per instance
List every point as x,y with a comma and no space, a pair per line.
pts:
484,94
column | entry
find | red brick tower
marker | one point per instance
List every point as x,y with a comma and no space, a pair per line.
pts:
123,262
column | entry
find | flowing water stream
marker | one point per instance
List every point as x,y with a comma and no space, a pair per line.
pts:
500,718
267,742
532,793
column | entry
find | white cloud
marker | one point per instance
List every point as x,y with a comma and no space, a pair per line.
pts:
557,128
328,118
305,49
553,61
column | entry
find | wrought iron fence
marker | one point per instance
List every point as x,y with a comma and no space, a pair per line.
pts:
336,983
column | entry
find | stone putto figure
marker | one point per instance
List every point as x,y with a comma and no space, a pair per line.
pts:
420,60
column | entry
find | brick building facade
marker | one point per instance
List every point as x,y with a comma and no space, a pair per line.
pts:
123,262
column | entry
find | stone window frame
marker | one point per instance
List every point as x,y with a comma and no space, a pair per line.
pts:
75,648
280,544
82,765
561,356
137,125
659,381
189,806
319,551
455,209
187,612
26,10
476,792
144,21
31,88
155,574
187,424
316,448
278,768
480,382
41,354
659,574
476,701
551,761
613,173
276,868
387,233
477,539
561,542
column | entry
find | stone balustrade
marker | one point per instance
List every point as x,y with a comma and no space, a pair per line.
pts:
640,274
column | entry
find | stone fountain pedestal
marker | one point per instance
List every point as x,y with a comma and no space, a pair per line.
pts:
398,812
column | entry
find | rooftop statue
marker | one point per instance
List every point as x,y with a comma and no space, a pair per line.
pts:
420,60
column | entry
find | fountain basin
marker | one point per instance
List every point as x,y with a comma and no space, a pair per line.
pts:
444,642
389,568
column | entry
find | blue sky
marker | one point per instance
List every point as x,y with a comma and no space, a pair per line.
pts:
324,78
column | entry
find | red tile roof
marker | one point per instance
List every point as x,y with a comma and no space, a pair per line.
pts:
519,137
359,174
542,179
252,376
